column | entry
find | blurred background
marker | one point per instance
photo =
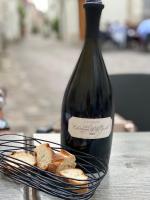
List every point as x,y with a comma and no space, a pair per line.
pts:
41,40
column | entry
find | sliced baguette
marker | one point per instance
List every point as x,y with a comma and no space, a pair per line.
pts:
22,156
44,156
62,160
65,154
82,179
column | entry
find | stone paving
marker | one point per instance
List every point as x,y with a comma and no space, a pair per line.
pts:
36,71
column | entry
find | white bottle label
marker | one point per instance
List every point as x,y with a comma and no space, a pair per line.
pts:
90,128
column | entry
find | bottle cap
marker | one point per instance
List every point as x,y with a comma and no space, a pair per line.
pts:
93,1
90,3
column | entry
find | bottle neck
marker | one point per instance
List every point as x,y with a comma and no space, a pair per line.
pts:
93,14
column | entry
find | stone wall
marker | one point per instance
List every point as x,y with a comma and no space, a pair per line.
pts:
9,19
69,20
123,11
146,9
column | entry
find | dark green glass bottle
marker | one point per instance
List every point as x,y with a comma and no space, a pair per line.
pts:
87,109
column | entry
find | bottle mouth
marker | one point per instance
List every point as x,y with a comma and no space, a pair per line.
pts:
93,2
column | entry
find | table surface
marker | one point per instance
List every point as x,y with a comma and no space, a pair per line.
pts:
128,177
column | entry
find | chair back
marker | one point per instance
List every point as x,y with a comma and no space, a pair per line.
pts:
132,98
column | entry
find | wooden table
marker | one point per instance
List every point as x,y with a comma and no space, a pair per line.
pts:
128,177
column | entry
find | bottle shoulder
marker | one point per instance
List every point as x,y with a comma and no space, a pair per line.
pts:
90,74
89,89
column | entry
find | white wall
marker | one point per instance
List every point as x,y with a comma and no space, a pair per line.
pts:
119,10
115,10
10,19
137,11
1,24
53,10
146,7
69,20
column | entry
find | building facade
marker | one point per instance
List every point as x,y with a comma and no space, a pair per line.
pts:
69,20
146,9
53,9
72,19
9,19
9,23
122,11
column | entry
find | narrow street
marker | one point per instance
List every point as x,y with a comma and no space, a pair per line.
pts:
36,73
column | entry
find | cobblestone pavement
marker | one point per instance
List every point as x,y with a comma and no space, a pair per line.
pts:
37,71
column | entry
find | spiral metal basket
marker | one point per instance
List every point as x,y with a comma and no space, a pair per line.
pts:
45,181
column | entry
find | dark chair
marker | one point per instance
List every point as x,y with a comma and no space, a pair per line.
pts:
132,98
147,43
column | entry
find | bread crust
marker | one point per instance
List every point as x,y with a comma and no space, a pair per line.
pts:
44,156
62,160
22,156
71,175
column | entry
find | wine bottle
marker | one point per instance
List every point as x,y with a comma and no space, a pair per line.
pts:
87,109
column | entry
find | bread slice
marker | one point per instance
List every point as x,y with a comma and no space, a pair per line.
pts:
22,156
82,179
62,160
44,156
66,155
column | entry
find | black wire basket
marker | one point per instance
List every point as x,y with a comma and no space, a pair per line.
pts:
45,181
